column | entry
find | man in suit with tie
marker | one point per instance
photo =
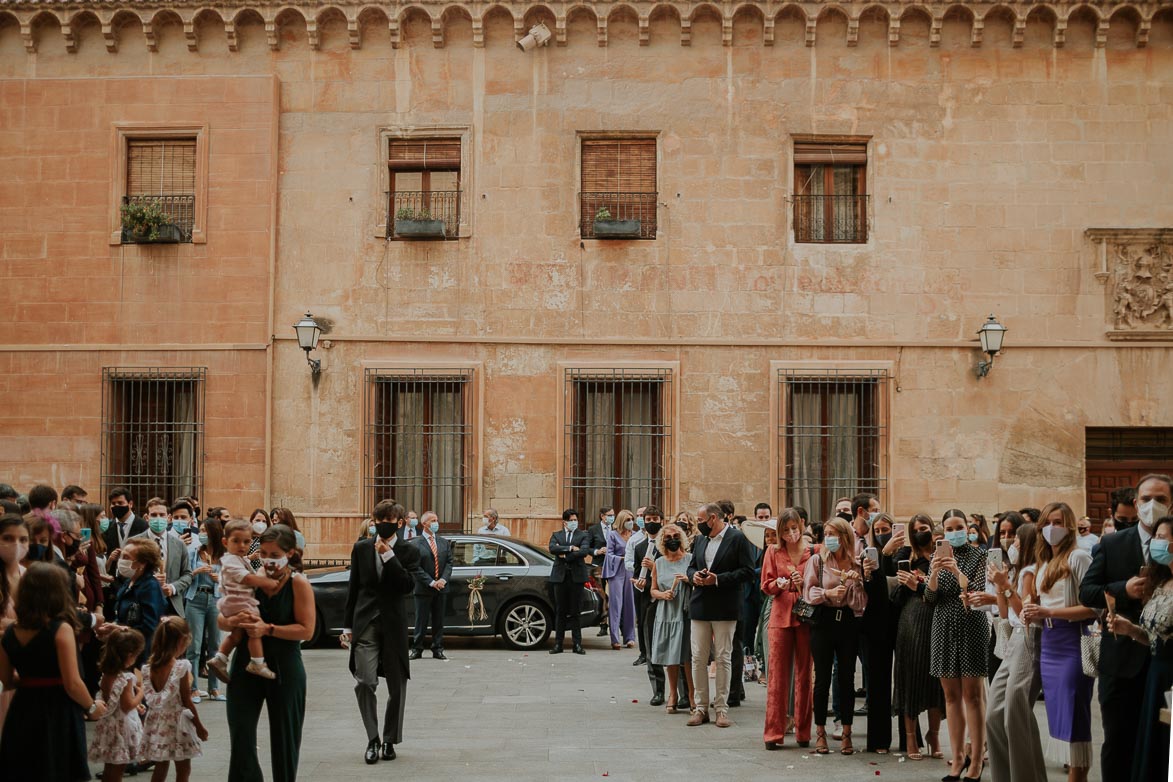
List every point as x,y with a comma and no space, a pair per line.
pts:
431,586
381,571
722,561
1115,571
124,525
175,575
570,548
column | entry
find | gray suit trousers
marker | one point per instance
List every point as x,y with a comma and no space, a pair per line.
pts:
368,648
1016,751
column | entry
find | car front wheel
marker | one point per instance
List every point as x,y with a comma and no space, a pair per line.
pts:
526,625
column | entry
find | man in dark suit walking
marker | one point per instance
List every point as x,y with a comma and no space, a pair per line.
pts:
431,586
376,625
722,561
1115,572
570,548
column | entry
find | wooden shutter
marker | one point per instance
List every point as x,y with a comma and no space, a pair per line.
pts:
830,152
619,166
160,166
425,155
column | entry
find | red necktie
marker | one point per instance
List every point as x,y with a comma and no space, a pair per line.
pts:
435,557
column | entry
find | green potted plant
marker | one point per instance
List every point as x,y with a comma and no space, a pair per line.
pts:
147,223
607,227
418,223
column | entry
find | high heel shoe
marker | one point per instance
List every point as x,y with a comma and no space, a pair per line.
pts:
978,778
914,752
845,748
932,738
821,742
957,777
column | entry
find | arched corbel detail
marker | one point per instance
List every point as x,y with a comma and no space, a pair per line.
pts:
26,35
1019,34
1060,33
437,33
975,35
1102,33
685,32
189,35
1142,33
396,39
645,30
230,35
853,32
935,31
811,25
559,30
893,31
149,36
768,32
726,30
353,32
311,33
109,37
601,30
70,37
478,32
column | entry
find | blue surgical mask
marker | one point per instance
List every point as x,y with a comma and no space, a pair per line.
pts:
639,521
973,537
1159,551
413,523
872,519
610,518
103,524
832,543
180,527
371,530
203,538
571,526
957,538
434,527
158,525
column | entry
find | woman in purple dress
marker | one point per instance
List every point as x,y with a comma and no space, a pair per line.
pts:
621,611
1067,692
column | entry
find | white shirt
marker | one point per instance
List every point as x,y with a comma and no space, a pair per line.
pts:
629,552
498,530
1087,542
1014,619
712,546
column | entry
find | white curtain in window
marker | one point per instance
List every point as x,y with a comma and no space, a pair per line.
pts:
446,445
407,475
596,430
804,457
185,439
640,437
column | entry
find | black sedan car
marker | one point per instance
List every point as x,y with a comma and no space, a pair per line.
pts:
519,606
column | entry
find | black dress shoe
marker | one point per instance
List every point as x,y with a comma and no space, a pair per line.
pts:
415,654
578,649
388,751
641,660
734,703
439,655
657,700
603,630
372,755
683,706
556,650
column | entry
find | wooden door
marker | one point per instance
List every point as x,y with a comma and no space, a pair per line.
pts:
1104,477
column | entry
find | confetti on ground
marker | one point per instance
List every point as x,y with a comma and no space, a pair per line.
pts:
635,700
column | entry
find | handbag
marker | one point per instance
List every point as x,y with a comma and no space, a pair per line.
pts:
1002,631
1089,651
805,612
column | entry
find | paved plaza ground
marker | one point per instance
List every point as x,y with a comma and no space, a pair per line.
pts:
490,713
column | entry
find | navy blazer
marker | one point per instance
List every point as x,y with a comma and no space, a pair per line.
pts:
569,565
1115,559
733,567
140,605
425,571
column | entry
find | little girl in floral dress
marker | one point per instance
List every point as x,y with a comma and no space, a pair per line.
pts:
173,730
118,736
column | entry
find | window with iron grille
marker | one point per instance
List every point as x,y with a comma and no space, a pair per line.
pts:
830,190
618,186
153,431
162,173
418,441
424,186
618,438
832,436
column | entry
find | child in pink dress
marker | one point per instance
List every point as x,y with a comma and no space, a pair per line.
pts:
173,731
238,584
118,736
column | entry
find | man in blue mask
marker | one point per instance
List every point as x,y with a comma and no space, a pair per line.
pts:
432,575
570,547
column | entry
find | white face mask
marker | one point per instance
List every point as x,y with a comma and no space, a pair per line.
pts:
1012,553
126,567
629,524
13,551
792,535
259,527
1150,511
273,565
1054,535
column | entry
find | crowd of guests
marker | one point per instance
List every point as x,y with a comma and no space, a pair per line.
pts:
949,619
113,617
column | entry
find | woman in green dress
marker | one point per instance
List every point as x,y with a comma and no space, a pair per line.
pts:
287,619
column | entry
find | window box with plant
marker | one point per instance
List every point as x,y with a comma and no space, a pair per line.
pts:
607,227
148,223
418,224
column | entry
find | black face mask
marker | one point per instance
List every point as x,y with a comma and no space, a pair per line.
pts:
384,529
72,548
36,552
119,511
653,527
882,540
672,544
846,516
704,527
1122,524
922,539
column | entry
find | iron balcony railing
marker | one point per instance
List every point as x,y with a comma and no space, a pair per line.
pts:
442,205
179,208
620,206
841,219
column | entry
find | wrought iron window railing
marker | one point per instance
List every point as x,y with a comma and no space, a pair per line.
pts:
424,205
831,219
180,209
620,207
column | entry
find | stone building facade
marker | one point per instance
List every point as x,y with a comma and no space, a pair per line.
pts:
824,202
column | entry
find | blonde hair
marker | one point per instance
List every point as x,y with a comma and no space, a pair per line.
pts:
1058,563
846,538
685,543
621,518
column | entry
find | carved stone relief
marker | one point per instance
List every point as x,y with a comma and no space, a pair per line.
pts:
1136,265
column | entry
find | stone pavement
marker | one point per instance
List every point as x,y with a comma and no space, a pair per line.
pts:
490,713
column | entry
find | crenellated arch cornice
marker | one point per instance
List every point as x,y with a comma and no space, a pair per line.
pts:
36,17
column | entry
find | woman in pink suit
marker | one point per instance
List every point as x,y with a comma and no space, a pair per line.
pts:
789,639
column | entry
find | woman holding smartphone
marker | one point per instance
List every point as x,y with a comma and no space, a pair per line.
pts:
915,690
789,639
959,640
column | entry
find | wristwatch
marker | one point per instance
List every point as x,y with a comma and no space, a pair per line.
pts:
270,631
93,707
1007,593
